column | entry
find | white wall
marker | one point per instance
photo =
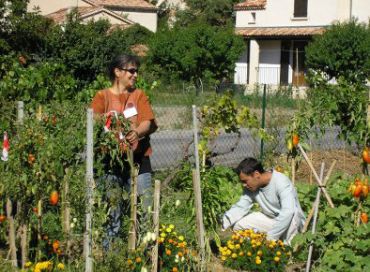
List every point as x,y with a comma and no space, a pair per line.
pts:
49,6
146,19
319,12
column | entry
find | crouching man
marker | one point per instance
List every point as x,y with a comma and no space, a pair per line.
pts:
281,216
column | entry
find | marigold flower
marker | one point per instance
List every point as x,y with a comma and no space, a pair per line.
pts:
60,266
27,264
249,253
168,252
259,252
174,269
278,253
181,238
258,261
241,253
277,259
223,258
138,260
234,255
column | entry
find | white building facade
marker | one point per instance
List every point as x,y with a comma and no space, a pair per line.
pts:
277,32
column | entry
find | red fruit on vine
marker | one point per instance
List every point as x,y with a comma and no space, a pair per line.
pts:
54,198
364,218
357,191
295,139
2,218
366,155
55,246
35,210
365,190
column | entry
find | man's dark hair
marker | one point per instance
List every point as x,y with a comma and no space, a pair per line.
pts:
121,62
249,165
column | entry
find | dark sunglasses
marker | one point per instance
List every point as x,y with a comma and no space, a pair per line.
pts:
131,70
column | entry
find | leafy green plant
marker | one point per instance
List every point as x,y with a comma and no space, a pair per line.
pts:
339,244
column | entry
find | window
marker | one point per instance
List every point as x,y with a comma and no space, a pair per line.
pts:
252,19
300,8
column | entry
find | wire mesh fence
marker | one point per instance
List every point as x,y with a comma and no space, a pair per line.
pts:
172,143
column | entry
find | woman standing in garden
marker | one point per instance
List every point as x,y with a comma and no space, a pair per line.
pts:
123,98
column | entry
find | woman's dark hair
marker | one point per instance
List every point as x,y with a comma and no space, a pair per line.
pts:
249,165
121,62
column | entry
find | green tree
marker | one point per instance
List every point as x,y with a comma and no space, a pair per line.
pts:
85,49
342,51
214,12
20,31
199,51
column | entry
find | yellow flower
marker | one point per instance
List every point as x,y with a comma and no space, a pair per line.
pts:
237,246
168,230
258,261
163,235
241,253
228,252
259,252
231,246
278,253
223,258
277,259
258,243
27,264
60,266
249,253
138,260
234,255
129,262
181,238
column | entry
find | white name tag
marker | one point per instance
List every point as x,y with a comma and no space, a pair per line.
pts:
129,112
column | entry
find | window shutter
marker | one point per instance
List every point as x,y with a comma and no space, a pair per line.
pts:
300,8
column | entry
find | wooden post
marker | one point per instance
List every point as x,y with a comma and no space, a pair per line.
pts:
11,230
89,188
327,196
133,204
317,204
24,243
156,205
197,191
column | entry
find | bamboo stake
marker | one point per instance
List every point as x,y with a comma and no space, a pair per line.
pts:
293,170
312,162
39,228
317,202
66,212
322,187
310,214
11,230
156,205
197,191
133,207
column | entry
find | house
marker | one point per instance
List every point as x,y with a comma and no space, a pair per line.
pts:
121,13
277,31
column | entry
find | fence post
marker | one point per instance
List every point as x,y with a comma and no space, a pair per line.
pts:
156,205
263,118
89,185
197,190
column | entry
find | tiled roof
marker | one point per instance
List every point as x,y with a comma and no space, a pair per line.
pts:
141,4
140,50
279,31
251,4
59,16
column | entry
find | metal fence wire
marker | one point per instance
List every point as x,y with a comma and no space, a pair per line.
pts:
173,140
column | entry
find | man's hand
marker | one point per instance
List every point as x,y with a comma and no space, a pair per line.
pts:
133,138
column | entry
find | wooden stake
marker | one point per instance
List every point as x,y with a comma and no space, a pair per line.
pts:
24,242
156,205
312,162
89,194
66,212
199,215
11,230
133,207
317,202
39,228
327,196
293,170
310,214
